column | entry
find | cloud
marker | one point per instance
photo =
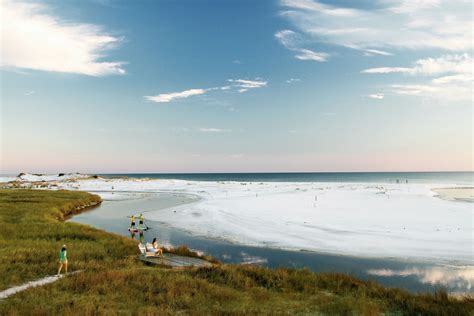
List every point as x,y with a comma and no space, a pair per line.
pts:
294,42
387,70
377,96
453,80
241,85
244,85
34,39
291,80
29,93
248,84
213,130
167,97
460,63
236,156
306,54
443,91
373,52
393,24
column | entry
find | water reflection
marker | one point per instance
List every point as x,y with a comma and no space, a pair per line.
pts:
460,278
249,259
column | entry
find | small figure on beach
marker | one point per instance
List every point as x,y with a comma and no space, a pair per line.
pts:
62,259
132,221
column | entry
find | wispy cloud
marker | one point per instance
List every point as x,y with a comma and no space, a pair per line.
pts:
373,52
306,54
453,77
387,70
248,84
450,90
167,97
34,38
292,80
294,42
394,24
214,130
376,96
236,156
460,63
240,85
29,93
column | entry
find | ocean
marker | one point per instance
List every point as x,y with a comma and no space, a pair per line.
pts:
462,178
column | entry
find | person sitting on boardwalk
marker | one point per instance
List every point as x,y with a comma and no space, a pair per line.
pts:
158,249
153,249
62,259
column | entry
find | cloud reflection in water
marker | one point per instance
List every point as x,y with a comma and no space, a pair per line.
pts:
452,277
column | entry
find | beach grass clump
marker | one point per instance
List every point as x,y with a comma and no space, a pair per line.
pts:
113,281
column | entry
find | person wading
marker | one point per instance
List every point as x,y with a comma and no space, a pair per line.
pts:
62,259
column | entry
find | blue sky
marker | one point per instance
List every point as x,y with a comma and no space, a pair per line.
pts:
229,86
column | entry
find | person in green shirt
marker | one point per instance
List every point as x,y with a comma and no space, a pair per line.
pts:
62,259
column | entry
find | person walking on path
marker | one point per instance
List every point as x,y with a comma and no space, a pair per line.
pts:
62,259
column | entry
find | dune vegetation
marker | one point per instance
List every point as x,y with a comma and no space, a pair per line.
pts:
114,282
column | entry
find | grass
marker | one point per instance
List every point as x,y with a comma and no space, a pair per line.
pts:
114,282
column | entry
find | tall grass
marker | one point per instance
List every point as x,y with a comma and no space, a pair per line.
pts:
114,282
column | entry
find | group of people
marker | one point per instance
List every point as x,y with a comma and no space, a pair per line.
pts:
152,248
141,221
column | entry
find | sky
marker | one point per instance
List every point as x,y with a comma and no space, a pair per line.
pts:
106,86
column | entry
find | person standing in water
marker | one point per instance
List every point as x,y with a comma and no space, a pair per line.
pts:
141,221
62,259
132,221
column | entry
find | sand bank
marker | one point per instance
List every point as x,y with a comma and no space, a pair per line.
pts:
464,194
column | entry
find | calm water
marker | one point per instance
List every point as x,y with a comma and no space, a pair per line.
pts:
415,276
361,177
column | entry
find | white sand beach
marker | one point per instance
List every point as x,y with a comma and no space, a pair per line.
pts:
360,219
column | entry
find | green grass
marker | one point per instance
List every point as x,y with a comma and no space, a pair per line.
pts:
114,282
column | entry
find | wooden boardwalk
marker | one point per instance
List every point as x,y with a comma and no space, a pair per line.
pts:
175,261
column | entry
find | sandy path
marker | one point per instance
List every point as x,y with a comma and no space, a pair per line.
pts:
49,279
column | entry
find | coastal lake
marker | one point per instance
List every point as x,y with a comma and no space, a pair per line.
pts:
112,216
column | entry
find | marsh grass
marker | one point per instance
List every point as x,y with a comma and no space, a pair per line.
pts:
114,282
